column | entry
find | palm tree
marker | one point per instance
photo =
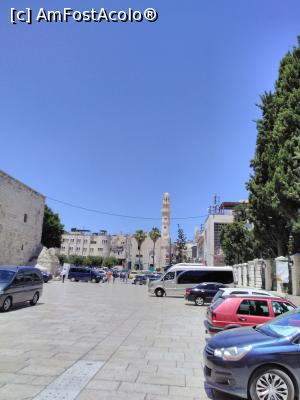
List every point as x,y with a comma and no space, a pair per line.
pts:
154,235
140,236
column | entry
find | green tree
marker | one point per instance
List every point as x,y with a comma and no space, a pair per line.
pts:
110,261
94,261
237,239
76,259
270,227
140,237
180,246
62,259
286,178
154,236
52,229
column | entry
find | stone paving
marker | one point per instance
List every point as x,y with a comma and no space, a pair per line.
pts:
149,348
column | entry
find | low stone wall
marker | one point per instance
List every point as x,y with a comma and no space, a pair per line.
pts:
270,274
251,274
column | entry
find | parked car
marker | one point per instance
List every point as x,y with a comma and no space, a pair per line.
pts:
140,279
123,273
18,285
227,291
132,274
84,274
203,293
184,275
236,310
258,363
154,277
46,276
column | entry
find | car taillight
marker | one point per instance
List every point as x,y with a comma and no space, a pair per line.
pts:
213,315
187,291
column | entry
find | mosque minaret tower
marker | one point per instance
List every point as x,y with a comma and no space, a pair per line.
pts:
165,232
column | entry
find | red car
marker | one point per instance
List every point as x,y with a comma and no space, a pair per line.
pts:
236,311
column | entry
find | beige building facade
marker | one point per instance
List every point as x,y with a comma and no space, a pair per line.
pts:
101,244
209,250
21,221
122,246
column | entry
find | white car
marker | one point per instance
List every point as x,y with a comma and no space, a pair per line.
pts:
222,292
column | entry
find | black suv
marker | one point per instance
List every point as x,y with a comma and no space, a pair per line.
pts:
203,293
19,284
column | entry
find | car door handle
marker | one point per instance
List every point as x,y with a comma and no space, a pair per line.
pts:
242,319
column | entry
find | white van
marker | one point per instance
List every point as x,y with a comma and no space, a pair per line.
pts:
183,276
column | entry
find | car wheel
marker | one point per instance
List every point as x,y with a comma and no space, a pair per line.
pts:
199,301
35,299
94,280
271,383
159,292
6,304
46,280
72,279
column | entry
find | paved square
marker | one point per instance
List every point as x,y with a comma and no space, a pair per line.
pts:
141,347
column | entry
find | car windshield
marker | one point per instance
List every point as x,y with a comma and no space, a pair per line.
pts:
287,325
219,294
6,276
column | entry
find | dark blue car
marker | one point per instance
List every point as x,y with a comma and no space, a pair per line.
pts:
77,274
262,362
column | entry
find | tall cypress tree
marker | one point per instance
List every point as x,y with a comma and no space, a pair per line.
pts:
270,228
286,179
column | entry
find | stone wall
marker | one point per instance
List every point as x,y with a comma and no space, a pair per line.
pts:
255,273
21,221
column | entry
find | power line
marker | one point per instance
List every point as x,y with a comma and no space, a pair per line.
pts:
119,215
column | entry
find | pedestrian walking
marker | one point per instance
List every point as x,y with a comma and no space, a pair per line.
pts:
114,276
126,276
109,274
63,276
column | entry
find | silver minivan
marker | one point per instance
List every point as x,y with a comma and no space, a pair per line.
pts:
183,276
18,285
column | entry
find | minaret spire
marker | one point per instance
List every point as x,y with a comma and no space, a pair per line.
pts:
166,216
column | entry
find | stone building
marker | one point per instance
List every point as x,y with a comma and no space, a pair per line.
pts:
83,242
122,246
208,238
21,221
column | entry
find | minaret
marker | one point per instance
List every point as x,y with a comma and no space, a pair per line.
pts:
166,217
165,234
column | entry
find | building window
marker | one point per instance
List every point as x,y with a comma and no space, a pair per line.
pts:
92,250
100,248
93,242
84,249
85,241
25,218
104,241
72,240
78,240
77,248
63,248
71,248
137,256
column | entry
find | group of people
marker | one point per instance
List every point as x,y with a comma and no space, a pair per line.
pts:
112,275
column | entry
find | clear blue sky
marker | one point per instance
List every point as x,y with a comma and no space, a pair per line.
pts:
109,116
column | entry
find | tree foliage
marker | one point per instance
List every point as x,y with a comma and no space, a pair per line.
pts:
274,187
89,261
180,246
110,261
237,239
52,229
154,236
140,237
